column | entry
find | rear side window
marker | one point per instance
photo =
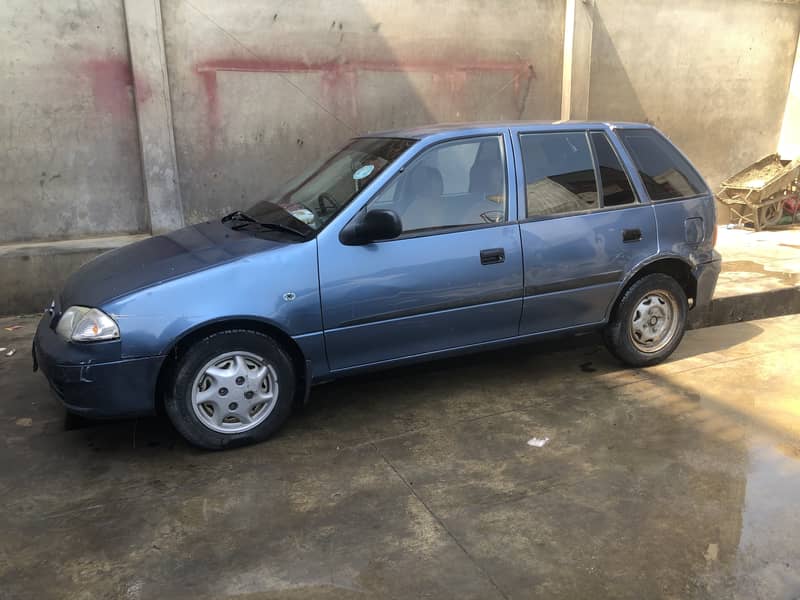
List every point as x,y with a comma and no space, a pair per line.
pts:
559,173
665,173
614,181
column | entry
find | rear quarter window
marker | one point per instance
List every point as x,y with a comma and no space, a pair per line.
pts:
666,174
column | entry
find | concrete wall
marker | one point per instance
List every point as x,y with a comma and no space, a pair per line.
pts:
258,94
70,165
577,64
789,143
712,75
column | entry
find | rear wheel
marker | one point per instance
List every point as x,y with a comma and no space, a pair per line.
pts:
648,322
231,389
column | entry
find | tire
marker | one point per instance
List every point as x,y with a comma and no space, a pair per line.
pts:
230,389
648,321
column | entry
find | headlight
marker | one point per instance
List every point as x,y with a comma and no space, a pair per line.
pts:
83,324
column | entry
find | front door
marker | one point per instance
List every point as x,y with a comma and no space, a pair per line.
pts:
583,231
454,276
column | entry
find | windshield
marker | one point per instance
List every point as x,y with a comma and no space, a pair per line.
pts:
314,197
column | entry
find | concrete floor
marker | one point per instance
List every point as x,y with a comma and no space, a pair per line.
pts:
681,481
758,261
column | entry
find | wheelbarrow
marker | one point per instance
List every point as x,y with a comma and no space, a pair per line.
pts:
756,194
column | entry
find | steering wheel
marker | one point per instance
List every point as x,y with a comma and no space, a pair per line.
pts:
327,203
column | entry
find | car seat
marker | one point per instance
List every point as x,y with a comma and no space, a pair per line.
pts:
420,204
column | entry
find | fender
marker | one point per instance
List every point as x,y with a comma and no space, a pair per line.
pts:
307,351
634,273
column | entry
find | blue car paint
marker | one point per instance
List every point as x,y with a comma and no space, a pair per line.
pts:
350,308
156,260
418,294
252,286
574,265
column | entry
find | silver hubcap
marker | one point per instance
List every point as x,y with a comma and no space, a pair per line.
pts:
234,392
654,322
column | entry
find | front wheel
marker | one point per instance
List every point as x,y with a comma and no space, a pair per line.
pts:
231,388
648,322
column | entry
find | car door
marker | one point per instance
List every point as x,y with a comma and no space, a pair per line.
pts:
582,226
453,278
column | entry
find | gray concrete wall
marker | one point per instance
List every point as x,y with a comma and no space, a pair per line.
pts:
68,139
713,75
154,115
581,59
32,274
789,143
577,64
259,93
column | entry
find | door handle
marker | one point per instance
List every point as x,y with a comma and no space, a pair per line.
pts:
493,256
631,235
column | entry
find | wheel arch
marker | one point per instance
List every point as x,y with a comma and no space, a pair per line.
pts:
676,267
201,330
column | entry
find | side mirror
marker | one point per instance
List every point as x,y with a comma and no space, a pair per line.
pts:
373,226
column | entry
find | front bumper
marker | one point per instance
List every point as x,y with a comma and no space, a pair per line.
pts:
706,275
91,379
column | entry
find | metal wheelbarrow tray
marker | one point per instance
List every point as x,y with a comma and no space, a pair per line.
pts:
755,194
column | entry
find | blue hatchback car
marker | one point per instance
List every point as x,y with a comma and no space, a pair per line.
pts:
403,246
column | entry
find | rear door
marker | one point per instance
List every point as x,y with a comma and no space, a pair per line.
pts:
583,227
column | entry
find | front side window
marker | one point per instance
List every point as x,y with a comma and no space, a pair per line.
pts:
310,200
559,173
450,185
665,173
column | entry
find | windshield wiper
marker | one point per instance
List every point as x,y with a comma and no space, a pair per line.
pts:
247,220
272,226
238,215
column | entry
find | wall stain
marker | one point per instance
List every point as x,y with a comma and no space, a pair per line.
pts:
112,84
340,77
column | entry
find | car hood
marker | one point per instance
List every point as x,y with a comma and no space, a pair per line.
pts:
158,259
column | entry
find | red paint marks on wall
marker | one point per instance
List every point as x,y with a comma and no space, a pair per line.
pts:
112,84
341,78
142,89
210,87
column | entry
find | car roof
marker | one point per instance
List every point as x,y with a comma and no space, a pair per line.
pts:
454,128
